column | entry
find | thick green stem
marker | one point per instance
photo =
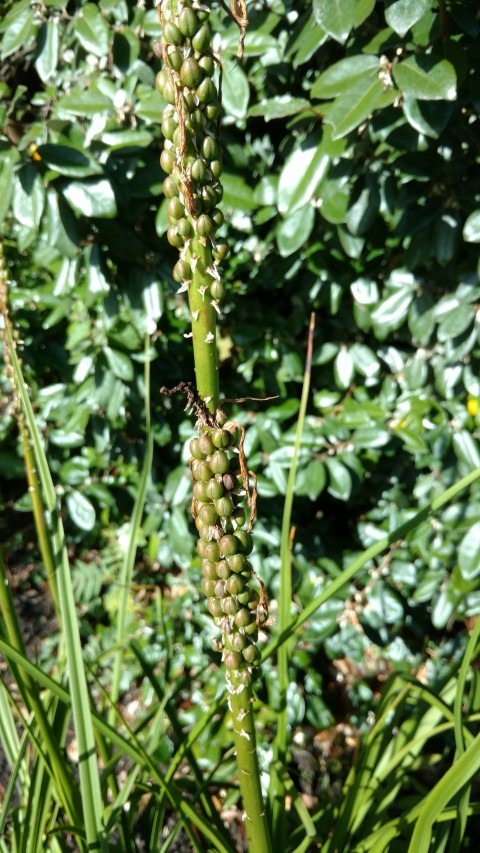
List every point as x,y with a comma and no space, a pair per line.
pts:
241,705
204,328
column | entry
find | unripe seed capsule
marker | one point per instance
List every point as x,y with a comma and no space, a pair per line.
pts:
208,587
232,660
221,251
214,490
220,588
204,226
205,532
215,606
188,23
254,600
201,470
170,188
209,148
239,642
211,552
198,170
209,199
201,546
217,217
223,570
235,585
228,546
175,208
209,570
207,64
216,168
206,444
220,438
208,514
201,39
161,79
230,606
196,122
174,238
174,58
213,110
224,507
171,33
245,542
169,92
229,481
190,72
184,227
167,161
252,628
169,126
219,462
182,272
200,490
190,102
196,452
237,563
238,516
206,91
251,654
244,597
242,618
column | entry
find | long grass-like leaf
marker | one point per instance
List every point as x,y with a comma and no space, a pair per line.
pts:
277,786
88,767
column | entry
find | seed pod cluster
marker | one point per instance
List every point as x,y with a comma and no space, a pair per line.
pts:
224,543
191,155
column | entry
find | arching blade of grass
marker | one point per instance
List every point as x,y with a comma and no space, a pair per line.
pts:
277,786
88,768
369,554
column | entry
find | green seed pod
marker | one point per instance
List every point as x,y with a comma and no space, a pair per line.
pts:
228,546
208,514
223,570
214,490
171,33
190,102
188,23
190,72
205,532
201,39
206,91
221,251
232,660
207,65
204,226
254,600
215,606
170,188
199,170
209,570
175,208
213,109
196,122
206,445
235,585
244,597
209,200
174,238
220,588
169,92
210,148
245,542
216,168
211,552
217,217
167,161
174,58
252,629
200,490
219,462
239,642
229,606
208,587
201,470
237,563
224,506
201,547
238,516
229,481
197,453
184,227
220,438
160,80
252,655
242,618
169,126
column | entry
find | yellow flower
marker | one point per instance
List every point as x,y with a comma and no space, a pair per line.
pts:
472,405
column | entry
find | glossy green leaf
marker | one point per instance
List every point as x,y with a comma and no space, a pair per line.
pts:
401,15
92,31
301,175
341,76
428,117
356,104
81,510
469,553
62,226
6,182
466,449
294,231
337,17
115,140
391,312
426,78
48,49
69,161
235,91
279,107
28,197
339,479
306,42
18,27
343,369
237,192
92,199
119,363
81,102
471,229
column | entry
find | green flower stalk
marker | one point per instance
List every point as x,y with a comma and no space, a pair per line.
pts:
190,82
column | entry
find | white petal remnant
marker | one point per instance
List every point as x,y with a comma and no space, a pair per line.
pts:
210,338
195,315
188,335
